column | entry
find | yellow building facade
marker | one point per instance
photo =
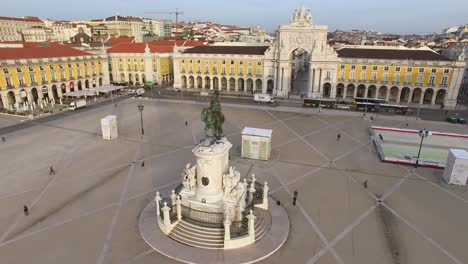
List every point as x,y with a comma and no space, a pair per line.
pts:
31,75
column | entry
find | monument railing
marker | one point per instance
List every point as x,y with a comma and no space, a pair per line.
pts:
239,228
202,218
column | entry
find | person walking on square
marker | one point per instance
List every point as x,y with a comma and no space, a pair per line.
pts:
26,210
365,184
186,123
295,197
338,137
51,171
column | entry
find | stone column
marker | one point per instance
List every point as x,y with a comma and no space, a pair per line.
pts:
179,208
345,91
227,229
157,199
239,210
410,96
421,98
236,85
387,96
203,83
173,197
251,217
167,220
310,80
6,103
355,91
434,96
366,91
398,95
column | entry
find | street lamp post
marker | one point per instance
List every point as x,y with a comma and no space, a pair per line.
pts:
423,133
141,107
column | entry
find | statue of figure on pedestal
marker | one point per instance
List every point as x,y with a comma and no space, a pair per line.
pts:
189,178
230,182
213,118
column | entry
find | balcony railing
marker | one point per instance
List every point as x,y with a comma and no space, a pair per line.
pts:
45,82
395,82
22,85
54,80
407,83
101,74
384,82
63,79
94,74
241,74
33,83
79,76
443,85
10,86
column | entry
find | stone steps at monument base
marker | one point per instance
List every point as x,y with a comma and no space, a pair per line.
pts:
262,224
190,235
196,233
200,229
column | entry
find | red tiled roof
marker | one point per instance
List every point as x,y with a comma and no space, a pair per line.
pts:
25,19
390,54
180,43
139,48
241,50
115,41
49,50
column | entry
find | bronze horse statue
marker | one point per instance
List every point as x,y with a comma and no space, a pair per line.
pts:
213,118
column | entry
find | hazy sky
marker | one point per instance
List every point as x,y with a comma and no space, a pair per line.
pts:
392,16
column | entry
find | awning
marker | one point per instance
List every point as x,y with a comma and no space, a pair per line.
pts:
107,89
87,92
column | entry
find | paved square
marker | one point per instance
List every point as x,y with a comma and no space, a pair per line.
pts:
88,211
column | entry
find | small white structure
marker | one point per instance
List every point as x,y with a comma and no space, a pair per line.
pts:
456,170
109,127
256,143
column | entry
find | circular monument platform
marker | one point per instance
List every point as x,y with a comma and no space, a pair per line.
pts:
268,244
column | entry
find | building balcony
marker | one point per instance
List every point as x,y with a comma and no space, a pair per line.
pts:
352,80
373,81
87,75
198,72
418,84
407,83
259,75
101,74
249,75
182,71
341,79
207,72
10,86
63,79
45,82
94,74
22,85
363,81
443,85
384,82
395,82
33,83
241,74
327,79
80,77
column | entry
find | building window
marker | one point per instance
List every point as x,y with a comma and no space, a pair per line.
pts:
363,76
224,62
21,80
385,77
33,78
342,66
353,67
223,70
198,61
374,76
374,68
408,78
232,62
396,78
341,75
259,63
249,71
434,70
446,71
8,82
351,76
5,70
183,61
198,69
31,69
409,70
419,79
51,67
421,70
444,80
431,79
231,71
386,68
43,77
364,67
70,72
52,75
206,69
241,62
397,69
18,70
41,68
328,75
250,63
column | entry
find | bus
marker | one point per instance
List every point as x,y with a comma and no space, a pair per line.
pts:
326,103
368,107
369,100
397,109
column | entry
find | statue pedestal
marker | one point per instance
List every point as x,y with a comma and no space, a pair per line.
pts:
212,163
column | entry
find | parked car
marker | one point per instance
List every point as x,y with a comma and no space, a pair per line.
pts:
132,92
263,98
77,104
452,120
461,120
176,90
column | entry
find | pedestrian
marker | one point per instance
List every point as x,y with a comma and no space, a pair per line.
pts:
406,124
446,112
365,184
3,139
295,197
372,118
26,210
186,123
338,137
115,105
143,164
380,136
51,171
278,203
364,115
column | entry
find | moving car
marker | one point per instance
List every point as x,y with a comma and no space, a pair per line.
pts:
452,120
140,91
263,98
77,104
461,120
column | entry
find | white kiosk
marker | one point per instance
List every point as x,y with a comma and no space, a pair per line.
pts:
456,169
256,143
109,127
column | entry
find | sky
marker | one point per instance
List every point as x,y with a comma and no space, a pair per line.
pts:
391,16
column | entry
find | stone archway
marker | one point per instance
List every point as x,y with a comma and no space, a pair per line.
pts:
416,97
215,83
199,82
240,84
428,95
79,86
350,89
258,86
270,86
87,84
100,81
249,85
72,86
383,92
184,81
372,91
223,83
63,88
232,84
340,90
11,99
361,90
405,94
55,92
130,79
327,90
299,64
191,83
393,97
122,77
207,82
34,96
440,97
